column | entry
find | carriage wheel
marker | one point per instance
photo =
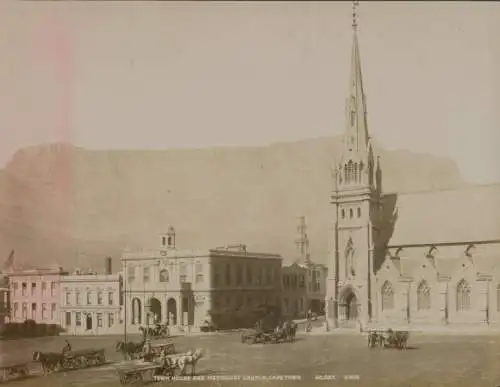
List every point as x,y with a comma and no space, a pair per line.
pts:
123,379
84,362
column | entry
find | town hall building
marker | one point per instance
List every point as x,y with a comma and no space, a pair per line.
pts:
422,260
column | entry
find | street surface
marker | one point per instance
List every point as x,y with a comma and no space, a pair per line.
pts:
431,360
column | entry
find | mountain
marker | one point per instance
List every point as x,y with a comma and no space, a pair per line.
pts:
67,205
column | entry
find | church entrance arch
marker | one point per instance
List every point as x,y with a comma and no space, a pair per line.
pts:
349,307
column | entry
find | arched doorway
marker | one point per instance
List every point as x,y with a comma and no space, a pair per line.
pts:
155,309
171,311
349,308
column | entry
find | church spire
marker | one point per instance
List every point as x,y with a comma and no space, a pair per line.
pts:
356,131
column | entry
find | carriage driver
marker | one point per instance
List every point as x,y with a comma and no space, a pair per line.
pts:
67,347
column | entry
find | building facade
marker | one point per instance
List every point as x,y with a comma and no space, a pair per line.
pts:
187,287
35,295
4,301
303,282
424,260
91,304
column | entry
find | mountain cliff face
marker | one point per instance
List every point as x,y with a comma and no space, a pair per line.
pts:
66,205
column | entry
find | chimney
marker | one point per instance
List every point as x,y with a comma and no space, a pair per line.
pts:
108,266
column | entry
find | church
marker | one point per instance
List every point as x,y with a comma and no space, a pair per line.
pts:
415,261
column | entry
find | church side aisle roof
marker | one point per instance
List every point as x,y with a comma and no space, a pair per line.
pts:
461,215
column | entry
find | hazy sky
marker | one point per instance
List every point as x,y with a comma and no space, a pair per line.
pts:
161,75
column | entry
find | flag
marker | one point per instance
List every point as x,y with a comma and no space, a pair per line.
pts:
9,262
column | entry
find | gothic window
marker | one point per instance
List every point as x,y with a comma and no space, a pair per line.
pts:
423,296
387,296
361,166
498,297
164,277
355,172
349,169
463,296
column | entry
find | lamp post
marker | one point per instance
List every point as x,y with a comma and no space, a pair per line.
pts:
148,314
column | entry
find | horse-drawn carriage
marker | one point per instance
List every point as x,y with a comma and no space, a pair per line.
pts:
83,358
158,349
388,338
159,368
53,361
158,331
284,332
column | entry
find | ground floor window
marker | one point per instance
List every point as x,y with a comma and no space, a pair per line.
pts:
99,320
68,319
78,319
111,319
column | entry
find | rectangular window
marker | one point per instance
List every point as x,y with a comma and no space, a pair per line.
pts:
68,319
66,298
77,298
16,309
44,312
302,284
89,298
182,272
33,289
78,319
25,310
249,275
33,310
145,276
52,289
239,275
53,312
216,275
44,289
110,298
228,274
131,273
111,320
99,320
24,289
199,273
99,298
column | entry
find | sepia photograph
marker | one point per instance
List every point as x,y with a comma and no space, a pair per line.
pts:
249,193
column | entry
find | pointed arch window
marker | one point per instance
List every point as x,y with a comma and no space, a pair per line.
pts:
387,296
463,296
423,297
361,167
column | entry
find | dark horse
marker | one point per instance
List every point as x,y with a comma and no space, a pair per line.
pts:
49,360
129,349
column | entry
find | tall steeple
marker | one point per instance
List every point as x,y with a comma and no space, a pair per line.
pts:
356,155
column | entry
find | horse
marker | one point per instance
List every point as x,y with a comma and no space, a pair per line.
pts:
157,331
48,360
190,358
402,339
129,349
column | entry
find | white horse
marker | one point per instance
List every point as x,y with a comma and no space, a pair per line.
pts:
189,358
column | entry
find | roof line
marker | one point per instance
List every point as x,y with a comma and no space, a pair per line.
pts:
477,242
465,186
